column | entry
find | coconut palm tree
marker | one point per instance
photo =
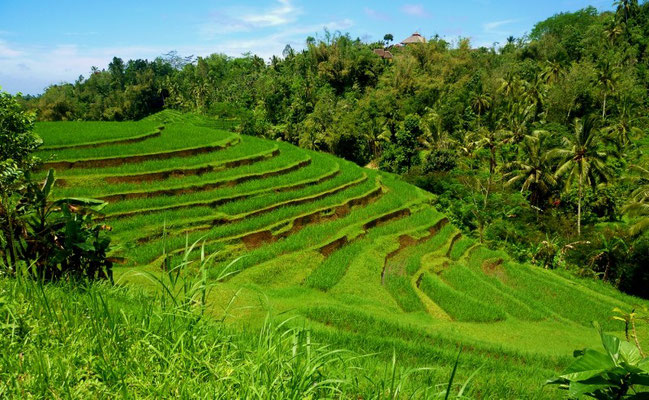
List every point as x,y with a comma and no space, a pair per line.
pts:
606,80
492,141
622,130
534,170
608,254
552,72
534,93
613,30
625,8
582,160
638,205
480,104
515,123
510,86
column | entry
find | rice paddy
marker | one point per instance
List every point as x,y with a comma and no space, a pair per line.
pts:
359,257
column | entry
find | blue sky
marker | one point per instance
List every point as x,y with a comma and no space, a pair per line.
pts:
44,42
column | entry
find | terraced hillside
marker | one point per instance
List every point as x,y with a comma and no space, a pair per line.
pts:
361,257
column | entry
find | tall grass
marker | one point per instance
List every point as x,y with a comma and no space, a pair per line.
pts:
93,340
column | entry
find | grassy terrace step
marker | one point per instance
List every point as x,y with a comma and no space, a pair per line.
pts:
461,248
254,206
284,228
393,261
475,286
78,133
543,290
319,236
101,143
137,158
173,137
191,184
247,147
318,171
167,173
215,238
458,305
175,141
212,203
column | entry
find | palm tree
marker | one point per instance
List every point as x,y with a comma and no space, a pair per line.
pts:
480,104
638,205
534,169
626,8
613,30
606,77
490,140
375,137
510,86
434,135
515,123
582,160
552,72
608,254
621,131
535,93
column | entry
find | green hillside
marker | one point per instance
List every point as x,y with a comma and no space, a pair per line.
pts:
357,255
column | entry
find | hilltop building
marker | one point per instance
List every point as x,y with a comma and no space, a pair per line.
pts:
413,39
384,54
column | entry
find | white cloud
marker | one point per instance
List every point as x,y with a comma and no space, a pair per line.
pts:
281,15
8,52
494,25
415,10
238,20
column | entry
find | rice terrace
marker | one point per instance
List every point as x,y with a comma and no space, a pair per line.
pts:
358,219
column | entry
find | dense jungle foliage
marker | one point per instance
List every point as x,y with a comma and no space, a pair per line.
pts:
538,146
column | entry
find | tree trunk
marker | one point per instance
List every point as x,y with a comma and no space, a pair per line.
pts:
579,209
12,244
604,108
607,269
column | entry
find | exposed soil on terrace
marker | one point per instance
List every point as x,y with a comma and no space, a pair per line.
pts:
406,241
256,239
200,188
455,239
115,161
494,267
223,200
330,247
178,172
338,210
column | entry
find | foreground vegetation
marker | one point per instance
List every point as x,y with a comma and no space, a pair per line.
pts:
93,340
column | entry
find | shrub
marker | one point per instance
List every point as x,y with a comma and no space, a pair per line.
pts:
440,160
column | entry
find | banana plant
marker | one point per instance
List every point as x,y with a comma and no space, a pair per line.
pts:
59,237
619,372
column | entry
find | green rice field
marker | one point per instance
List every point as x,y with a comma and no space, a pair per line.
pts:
357,256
